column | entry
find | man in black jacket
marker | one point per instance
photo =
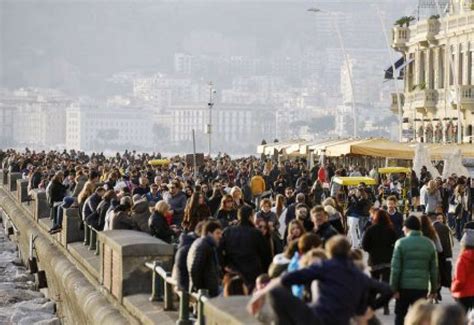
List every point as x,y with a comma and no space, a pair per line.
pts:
322,226
244,249
202,262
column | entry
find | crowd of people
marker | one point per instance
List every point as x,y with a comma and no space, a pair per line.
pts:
280,231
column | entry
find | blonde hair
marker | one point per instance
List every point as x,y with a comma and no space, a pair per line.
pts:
234,190
329,201
420,313
161,207
311,256
87,191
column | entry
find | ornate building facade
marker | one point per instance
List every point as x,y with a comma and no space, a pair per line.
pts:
437,67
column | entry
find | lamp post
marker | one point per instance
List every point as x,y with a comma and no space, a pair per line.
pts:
210,104
346,59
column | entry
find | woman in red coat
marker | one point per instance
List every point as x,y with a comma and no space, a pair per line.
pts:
462,287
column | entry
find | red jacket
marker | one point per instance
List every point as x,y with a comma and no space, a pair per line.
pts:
463,281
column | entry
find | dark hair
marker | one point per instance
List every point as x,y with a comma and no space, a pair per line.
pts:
382,218
234,285
210,227
307,242
427,228
318,209
244,214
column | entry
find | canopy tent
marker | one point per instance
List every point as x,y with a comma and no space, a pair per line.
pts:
372,147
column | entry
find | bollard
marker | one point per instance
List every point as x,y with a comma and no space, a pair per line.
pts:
92,239
97,246
200,306
168,294
86,234
184,309
156,289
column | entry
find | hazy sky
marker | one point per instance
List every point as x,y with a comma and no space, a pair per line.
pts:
78,44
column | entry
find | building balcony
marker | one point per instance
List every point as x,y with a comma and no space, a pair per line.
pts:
423,100
425,31
394,105
467,97
400,36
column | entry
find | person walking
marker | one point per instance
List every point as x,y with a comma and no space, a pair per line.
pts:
379,240
414,269
244,249
202,261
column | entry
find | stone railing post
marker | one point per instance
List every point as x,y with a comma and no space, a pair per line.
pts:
123,254
71,225
40,207
22,190
3,177
12,178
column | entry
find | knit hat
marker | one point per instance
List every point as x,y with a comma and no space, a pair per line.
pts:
412,223
468,238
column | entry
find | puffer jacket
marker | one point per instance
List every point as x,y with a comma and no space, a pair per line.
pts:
463,281
203,266
141,214
180,270
414,263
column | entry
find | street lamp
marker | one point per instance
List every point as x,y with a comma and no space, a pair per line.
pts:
210,104
346,59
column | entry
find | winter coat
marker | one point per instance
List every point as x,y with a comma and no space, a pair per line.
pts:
431,201
325,232
335,218
268,217
343,289
160,228
225,217
203,266
414,263
141,214
463,280
177,203
379,241
397,221
444,235
101,213
121,220
90,206
57,192
180,270
244,249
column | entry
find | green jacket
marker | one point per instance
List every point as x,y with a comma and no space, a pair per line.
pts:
414,263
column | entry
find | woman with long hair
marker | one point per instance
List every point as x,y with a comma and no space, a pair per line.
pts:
271,236
279,205
429,231
295,230
236,194
460,202
196,211
227,214
432,197
379,240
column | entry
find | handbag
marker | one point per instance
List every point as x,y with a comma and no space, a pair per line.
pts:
453,208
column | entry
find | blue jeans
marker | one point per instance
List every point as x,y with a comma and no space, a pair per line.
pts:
58,217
